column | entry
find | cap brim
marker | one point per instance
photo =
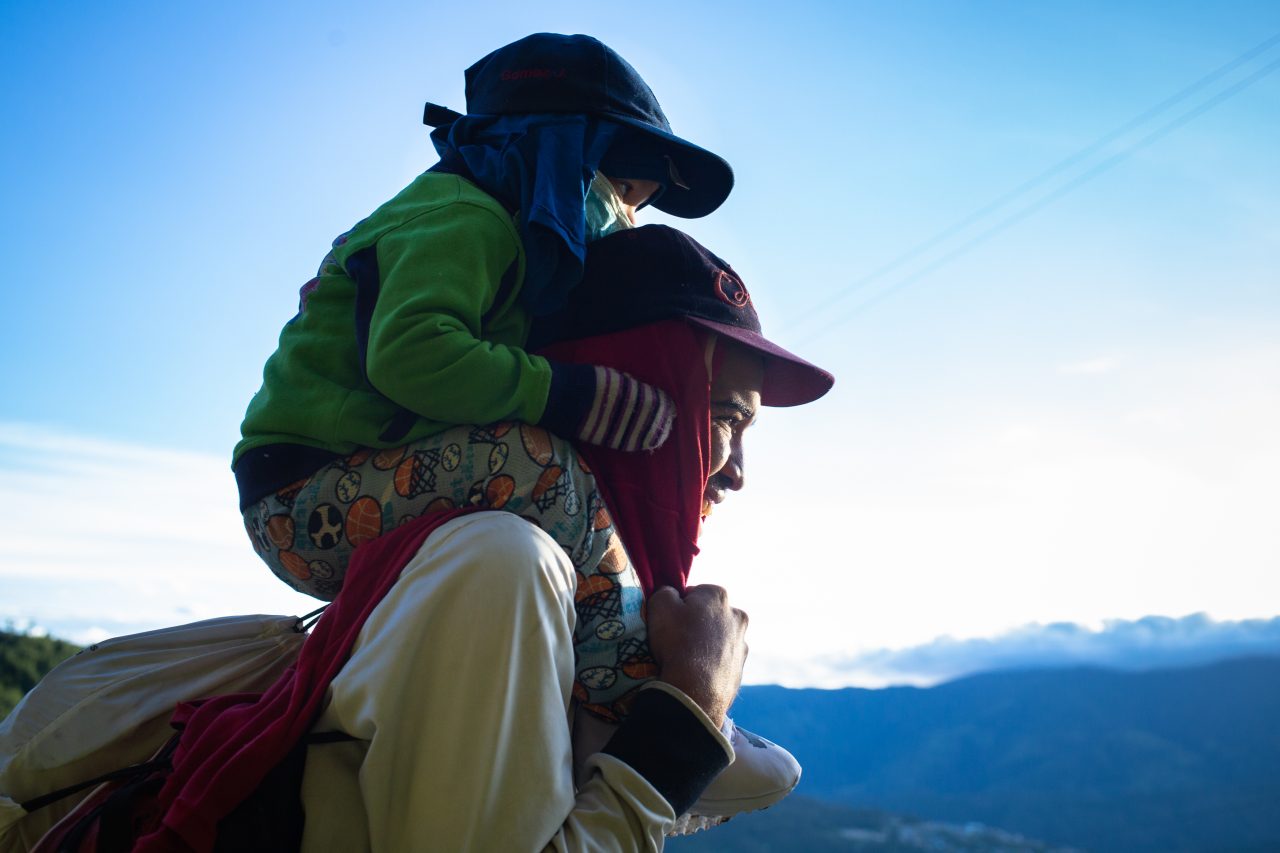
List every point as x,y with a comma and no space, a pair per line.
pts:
789,380
708,176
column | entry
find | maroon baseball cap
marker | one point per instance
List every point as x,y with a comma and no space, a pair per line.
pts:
644,275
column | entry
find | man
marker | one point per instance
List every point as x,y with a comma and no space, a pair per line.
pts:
459,687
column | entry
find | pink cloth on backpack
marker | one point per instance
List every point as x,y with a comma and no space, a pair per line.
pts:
230,742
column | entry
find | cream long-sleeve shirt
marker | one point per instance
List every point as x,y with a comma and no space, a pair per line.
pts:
459,692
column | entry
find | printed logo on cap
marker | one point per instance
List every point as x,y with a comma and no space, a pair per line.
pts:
731,289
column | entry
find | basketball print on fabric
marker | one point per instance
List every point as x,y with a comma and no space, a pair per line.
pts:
307,532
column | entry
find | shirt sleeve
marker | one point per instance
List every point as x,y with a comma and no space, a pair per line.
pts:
648,774
459,693
439,274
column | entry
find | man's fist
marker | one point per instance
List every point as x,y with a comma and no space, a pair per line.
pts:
699,643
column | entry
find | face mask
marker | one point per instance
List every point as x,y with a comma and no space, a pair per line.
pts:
605,213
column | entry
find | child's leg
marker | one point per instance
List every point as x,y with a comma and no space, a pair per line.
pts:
307,531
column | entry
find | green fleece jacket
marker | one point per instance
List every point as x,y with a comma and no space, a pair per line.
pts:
411,326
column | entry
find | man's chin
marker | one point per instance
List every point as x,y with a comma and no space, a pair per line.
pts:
706,509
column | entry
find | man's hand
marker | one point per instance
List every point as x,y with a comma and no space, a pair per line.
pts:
699,643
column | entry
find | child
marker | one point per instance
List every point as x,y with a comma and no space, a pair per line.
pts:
417,317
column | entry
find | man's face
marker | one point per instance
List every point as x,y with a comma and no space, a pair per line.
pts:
735,399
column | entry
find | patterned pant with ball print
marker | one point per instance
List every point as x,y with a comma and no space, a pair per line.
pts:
306,532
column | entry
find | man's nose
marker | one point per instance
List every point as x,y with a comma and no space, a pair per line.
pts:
734,470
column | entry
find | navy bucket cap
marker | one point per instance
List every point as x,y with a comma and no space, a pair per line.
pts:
653,273
552,73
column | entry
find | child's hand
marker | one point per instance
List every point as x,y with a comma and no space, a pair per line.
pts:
600,405
700,644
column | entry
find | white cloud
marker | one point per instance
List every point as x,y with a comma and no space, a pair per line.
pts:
103,538
1089,367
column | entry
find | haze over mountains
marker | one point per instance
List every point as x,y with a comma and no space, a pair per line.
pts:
1146,643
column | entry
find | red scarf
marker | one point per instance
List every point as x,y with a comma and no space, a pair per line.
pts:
655,498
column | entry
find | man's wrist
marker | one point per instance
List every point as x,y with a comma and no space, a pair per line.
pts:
695,689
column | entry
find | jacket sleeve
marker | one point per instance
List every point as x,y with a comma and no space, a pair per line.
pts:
649,773
438,275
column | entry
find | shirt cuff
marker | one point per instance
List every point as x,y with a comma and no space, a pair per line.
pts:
672,743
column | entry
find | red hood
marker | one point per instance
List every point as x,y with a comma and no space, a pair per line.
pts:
655,498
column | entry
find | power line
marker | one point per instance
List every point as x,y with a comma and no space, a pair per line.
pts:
1022,189
1072,185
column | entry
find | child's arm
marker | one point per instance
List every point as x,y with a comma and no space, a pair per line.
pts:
439,274
444,278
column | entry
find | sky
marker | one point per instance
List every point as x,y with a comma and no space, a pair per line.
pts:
1037,244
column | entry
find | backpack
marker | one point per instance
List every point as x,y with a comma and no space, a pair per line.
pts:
101,714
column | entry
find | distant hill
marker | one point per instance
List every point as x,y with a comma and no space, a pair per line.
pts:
23,660
1166,760
801,825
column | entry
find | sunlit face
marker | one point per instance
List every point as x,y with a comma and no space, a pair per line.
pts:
633,192
735,399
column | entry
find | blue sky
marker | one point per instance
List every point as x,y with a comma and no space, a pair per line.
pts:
1070,421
